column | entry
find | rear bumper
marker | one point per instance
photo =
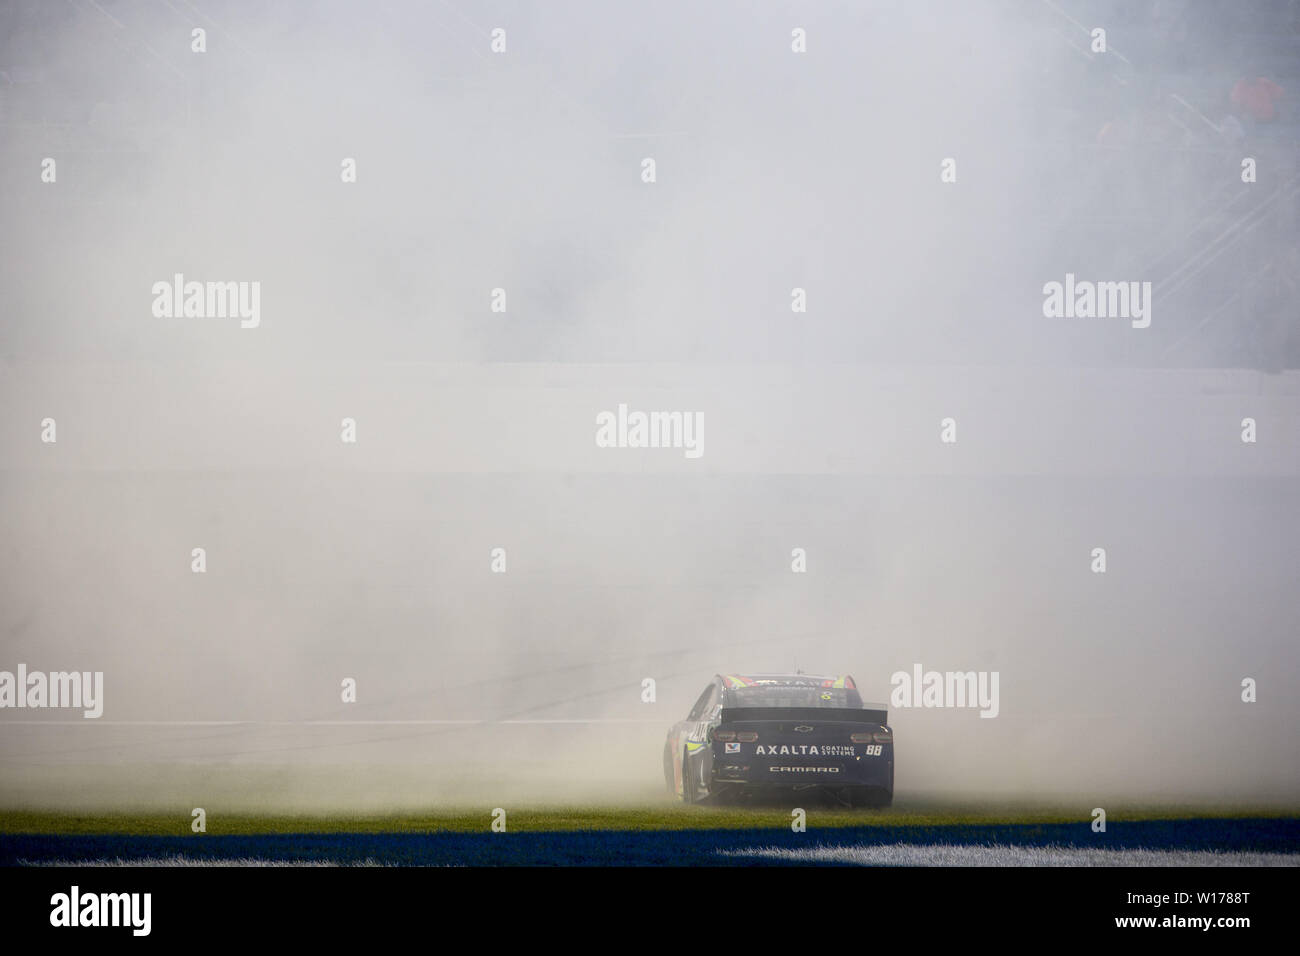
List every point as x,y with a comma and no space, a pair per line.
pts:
783,770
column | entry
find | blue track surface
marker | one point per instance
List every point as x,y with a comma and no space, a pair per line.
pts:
615,847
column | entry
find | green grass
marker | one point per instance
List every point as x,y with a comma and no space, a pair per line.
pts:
570,818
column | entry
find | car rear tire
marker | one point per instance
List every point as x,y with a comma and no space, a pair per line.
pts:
690,788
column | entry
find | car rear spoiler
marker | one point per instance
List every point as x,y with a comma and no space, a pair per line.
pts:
870,714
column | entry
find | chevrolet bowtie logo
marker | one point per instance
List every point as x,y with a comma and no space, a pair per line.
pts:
803,729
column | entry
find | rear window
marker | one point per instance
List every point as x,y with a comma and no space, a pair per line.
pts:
787,695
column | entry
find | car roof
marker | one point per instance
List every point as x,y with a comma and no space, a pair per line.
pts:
822,680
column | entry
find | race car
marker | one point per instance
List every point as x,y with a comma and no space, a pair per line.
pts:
773,735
